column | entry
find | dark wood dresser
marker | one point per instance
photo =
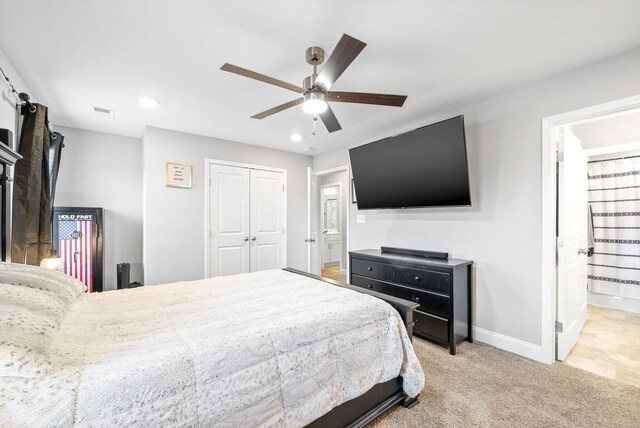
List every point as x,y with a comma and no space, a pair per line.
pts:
442,287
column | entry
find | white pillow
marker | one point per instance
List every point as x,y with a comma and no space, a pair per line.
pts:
42,301
33,302
28,320
63,285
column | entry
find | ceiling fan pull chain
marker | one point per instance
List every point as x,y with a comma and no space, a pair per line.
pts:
315,119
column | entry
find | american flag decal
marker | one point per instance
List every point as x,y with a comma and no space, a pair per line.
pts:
74,246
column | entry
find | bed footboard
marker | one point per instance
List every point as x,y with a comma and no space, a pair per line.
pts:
363,409
404,307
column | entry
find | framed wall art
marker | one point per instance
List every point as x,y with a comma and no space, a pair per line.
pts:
178,175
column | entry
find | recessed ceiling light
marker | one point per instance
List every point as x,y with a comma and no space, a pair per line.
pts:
308,149
148,102
295,137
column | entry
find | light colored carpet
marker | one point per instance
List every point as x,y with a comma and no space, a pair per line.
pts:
484,386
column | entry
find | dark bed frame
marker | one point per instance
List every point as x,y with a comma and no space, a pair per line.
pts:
364,409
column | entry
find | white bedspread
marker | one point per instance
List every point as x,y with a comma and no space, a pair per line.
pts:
269,348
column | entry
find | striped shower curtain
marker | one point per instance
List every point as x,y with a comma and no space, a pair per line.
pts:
614,195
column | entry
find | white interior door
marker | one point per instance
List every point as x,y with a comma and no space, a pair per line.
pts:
314,243
572,243
267,228
229,220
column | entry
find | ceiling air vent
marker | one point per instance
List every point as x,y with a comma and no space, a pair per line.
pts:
104,111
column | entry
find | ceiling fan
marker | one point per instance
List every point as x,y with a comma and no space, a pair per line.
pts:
315,89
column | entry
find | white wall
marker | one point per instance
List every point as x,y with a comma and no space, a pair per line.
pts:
501,232
341,178
105,170
7,99
174,218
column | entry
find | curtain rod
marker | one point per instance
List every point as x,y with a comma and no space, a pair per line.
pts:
23,97
618,158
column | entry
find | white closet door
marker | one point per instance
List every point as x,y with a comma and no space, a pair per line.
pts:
267,228
229,220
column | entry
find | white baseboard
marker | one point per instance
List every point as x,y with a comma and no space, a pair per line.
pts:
621,303
508,343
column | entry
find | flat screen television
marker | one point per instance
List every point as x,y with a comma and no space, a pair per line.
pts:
426,167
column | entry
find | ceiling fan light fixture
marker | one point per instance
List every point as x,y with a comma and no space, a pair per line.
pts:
315,102
315,88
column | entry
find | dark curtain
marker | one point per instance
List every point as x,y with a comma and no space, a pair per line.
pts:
56,141
31,220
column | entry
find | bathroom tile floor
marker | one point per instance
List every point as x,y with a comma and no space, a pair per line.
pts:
609,345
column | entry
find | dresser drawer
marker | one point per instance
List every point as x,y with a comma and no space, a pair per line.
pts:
440,282
431,325
371,284
429,302
381,271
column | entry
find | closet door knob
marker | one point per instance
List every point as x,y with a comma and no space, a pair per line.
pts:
253,238
246,238
417,278
417,300
369,269
369,286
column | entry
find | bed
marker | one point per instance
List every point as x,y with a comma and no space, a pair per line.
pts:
272,348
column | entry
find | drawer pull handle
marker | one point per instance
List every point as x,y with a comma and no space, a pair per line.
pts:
417,278
417,300
369,286
369,268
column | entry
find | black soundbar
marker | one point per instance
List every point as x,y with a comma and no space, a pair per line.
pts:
417,253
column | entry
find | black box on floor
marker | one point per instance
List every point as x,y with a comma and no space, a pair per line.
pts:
123,270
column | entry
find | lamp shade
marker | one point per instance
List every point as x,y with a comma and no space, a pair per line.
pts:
51,263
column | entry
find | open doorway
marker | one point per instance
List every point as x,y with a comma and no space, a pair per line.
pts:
333,219
598,244
328,222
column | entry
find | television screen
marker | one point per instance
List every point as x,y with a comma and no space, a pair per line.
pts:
426,167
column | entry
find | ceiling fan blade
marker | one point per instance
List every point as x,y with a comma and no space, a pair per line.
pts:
277,109
366,98
345,52
261,77
330,121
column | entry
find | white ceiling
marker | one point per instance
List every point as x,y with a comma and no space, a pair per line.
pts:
611,130
76,54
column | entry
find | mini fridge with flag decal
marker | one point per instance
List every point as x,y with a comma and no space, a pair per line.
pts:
77,238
